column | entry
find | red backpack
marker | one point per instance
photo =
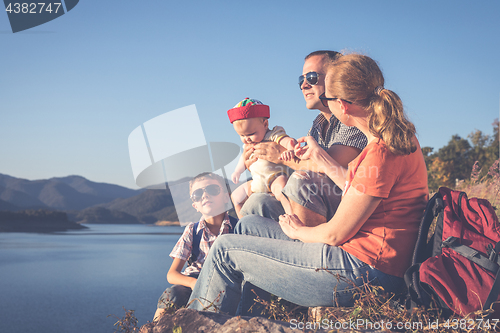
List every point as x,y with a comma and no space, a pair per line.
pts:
457,269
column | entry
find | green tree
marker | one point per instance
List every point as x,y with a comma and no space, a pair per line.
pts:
485,148
494,148
455,160
438,172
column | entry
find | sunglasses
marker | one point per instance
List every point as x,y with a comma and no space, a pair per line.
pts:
211,190
324,100
311,78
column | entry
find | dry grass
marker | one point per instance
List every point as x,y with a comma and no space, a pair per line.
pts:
126,324
487,187
375,309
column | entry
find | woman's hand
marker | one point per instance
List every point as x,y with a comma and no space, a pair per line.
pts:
290,225
312,155
306,152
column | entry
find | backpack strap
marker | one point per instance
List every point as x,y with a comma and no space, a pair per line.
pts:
423,249
471,254
493,251
233,222
195,249
414,296
490,264
495,291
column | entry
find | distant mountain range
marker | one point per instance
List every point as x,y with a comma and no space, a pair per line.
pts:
36,221
66,193
89,202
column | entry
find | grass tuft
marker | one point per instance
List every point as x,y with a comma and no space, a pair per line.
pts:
126,324
488,187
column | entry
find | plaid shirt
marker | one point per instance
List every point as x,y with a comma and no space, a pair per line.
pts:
336,134
182,249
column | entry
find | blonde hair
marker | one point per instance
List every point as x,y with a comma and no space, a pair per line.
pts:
358,79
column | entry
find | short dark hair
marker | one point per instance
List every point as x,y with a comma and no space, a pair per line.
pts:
207,175
332,55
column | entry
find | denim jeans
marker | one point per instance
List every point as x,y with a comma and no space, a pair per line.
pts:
307,274
262,204
313,191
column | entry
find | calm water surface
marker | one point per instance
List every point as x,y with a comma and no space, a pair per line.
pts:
70,282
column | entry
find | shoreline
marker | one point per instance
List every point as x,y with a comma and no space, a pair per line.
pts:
167,223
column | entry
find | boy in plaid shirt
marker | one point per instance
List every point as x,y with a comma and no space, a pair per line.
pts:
209,197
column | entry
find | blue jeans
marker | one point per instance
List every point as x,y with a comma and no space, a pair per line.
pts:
307,274
313,191
262,204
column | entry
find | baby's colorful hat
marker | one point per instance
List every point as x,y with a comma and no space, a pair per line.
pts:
248,108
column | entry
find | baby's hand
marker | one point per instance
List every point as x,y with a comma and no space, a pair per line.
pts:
235,177
287,155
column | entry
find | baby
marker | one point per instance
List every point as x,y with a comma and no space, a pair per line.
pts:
250,120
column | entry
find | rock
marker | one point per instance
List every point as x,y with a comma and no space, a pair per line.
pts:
192,321
201,321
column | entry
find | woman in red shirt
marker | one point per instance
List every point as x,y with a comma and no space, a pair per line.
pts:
371,235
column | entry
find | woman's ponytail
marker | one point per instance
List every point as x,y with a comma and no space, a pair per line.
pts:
358,78
388,122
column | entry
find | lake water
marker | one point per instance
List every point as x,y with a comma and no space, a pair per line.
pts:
70,282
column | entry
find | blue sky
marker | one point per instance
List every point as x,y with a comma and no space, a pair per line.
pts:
73,89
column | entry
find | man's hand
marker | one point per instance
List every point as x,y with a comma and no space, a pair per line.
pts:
248,150
269,151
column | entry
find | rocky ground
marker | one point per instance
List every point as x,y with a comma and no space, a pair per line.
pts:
188,321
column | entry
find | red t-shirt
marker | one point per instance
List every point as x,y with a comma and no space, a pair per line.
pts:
387,239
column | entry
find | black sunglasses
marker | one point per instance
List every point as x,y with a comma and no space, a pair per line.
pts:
212,190
311,78
324,100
